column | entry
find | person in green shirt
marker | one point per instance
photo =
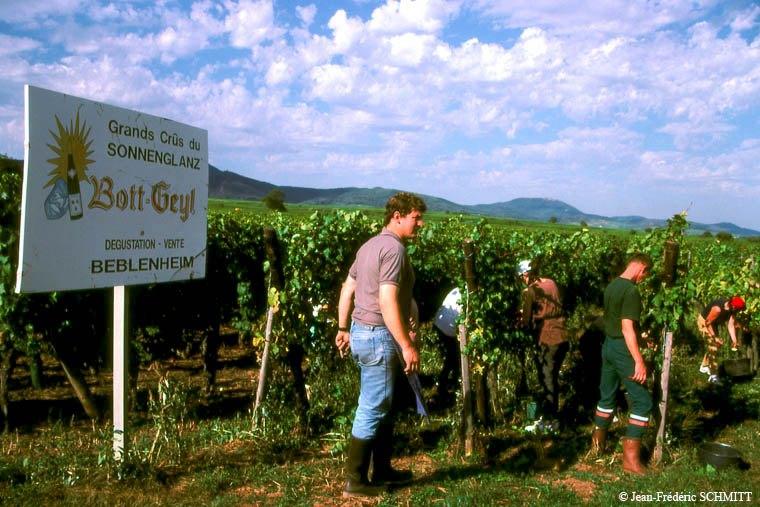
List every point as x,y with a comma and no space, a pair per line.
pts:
622,362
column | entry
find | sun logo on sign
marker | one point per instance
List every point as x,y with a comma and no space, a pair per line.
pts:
70,163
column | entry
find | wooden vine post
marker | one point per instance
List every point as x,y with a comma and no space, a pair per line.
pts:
467,414
752,349
671,262
271,246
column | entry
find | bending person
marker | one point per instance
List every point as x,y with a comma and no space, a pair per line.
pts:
717,313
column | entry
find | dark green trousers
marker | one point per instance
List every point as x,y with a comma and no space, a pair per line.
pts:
617,368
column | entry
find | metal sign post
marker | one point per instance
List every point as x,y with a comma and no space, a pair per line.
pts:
120,369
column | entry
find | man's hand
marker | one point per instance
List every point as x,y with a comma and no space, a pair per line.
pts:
343,342
411,360
639,372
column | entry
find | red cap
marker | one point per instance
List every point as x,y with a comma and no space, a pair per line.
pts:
737,303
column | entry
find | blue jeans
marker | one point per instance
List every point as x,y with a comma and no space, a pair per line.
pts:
373,349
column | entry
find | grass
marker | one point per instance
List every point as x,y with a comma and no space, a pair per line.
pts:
226,462
239,475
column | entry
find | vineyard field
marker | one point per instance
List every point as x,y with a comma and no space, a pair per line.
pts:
196,347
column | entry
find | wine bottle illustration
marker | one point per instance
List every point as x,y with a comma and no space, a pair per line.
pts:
75,196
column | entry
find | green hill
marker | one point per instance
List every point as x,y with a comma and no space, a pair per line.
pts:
229,185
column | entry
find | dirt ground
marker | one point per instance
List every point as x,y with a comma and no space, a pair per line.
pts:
235,385
32,409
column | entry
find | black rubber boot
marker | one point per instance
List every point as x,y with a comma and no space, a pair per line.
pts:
382,471
357,466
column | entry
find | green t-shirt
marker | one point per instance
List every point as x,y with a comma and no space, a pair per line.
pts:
621,301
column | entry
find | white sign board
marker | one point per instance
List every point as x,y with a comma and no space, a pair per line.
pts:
111,196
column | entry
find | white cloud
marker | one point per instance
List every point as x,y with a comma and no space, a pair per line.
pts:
746,19
28,13
400,16
696,136
474,61
10,45
594,18
409,49
251,22
184,34
112,12
306,14
332,82
568,102
279,72
346,31
731,172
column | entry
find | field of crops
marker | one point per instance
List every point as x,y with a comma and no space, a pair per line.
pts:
196,348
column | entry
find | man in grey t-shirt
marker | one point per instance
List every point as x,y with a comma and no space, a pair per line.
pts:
379,287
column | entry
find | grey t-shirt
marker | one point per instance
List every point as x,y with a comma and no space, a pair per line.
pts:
381,260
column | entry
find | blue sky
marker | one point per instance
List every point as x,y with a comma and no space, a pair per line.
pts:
622,107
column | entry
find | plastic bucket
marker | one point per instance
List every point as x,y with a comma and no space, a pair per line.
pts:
737,367
719,455
531,408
